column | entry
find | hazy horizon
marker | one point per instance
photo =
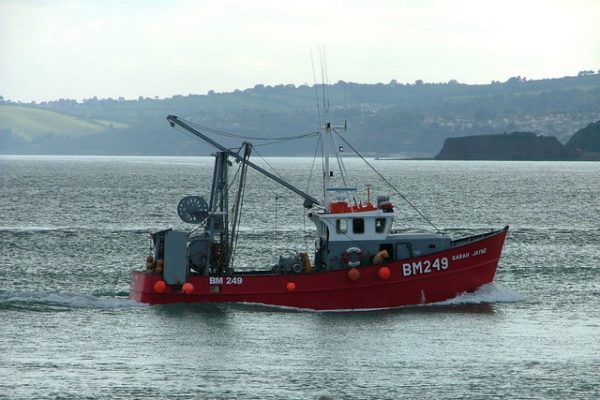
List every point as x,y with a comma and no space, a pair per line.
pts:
311,84
70,49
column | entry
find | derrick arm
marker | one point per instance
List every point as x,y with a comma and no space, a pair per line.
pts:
308,199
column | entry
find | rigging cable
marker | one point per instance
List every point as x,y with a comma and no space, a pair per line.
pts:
236,234
185,132
266,162
388,183
276,195
276,226
324,78
308,185
246,137
313,163
277,141
225,193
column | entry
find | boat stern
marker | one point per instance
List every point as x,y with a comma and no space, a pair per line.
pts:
141,287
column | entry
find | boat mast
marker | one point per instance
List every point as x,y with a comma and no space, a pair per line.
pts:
239,197
326,170
217,224
309,201
328,146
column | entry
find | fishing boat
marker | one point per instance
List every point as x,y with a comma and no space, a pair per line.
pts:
359,261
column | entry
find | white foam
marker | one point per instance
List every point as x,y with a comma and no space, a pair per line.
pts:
490,293
68,300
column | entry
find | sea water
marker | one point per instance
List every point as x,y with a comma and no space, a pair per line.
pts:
72,228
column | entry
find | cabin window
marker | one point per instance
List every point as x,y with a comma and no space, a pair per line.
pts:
341,226
379,225
358,225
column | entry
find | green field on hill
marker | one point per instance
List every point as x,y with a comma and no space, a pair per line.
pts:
31,122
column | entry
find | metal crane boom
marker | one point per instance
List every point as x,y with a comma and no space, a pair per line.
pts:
309,201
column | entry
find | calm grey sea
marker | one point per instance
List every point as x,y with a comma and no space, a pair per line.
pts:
71,229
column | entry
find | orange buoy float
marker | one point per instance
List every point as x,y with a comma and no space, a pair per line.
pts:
384,273
149,263
380,257
187,288
160,264
353,274
160,286
291,286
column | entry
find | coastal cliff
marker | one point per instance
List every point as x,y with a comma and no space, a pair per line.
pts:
512,146
585,143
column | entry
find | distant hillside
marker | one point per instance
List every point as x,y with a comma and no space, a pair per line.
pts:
512,147
35,130
383,119
32,122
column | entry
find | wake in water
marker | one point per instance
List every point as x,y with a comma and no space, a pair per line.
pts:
29,301
116,227
486,294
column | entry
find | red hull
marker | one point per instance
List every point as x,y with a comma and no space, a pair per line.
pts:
428,279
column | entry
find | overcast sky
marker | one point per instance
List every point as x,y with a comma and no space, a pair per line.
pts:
79,49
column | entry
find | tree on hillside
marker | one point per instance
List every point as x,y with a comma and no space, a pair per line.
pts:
516,79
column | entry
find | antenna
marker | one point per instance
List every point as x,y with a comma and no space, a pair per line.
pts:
327,82
316,88
324,77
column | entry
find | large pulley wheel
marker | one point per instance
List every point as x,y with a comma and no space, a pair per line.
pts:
192,209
